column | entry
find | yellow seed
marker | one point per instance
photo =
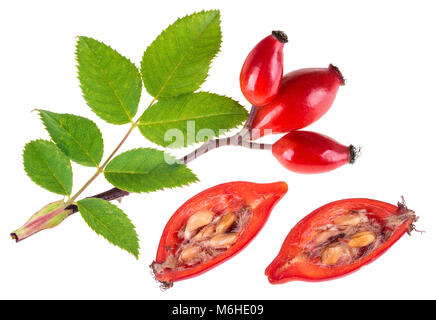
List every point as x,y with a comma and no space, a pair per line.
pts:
196,221
362,239
226,222
205,233
332,254
324,236
347,220
298,258
190,253
223,240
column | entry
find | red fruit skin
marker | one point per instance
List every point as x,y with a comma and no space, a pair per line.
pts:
262,71
279,271
305,95
261,197
310,152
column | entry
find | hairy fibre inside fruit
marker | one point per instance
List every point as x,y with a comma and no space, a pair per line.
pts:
351,236
205,235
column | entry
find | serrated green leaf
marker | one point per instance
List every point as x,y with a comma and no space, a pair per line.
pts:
208,115
110,83
79,138
178,61
146,170
110,222
48,166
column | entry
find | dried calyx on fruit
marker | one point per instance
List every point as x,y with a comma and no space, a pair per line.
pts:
339,238
212,227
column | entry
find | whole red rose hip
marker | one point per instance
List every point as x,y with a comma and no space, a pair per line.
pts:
262,71
305,95
311,152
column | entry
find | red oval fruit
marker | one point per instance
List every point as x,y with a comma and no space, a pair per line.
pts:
305,95
311,152
262,71
339,238
212,227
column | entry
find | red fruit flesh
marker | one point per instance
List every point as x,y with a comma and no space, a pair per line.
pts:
262,71
311,152
302,257
250,203
305,95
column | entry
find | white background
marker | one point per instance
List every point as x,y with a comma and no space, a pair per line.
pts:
386,51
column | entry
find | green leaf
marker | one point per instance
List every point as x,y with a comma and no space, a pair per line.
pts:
206,112
111,222
178,61
146,170
110,83
79,138
48,166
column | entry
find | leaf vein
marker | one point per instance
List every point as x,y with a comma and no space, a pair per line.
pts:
53,174
190,118
105,77
182,59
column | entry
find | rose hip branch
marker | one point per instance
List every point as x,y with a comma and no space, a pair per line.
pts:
219,222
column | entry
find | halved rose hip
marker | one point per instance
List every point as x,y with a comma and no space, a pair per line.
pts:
213,226
339,238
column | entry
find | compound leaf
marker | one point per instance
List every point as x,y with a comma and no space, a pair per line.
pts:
110,83
48,166
198,116
146,170
79,138
178,61
110,222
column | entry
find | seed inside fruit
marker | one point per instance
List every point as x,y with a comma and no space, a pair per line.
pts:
332,254
324,236
347,220
205,233
226,222
190,253
223,240
362,239
298,258
198,220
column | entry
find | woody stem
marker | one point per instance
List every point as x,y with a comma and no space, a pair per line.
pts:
236,140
